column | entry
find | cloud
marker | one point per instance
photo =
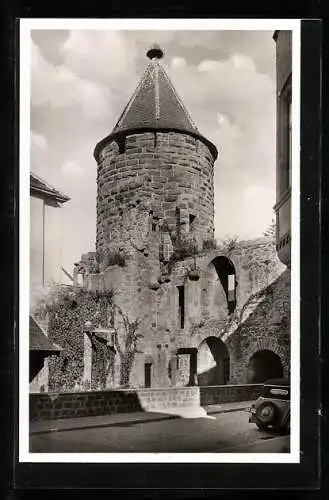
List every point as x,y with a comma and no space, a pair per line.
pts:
38,152
82,81
51,46
59,86
105,57
178,62
147,38
39,141
257,45
246,98
257,193
71,168
241,61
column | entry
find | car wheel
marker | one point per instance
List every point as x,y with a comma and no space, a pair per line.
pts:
261,427
266,413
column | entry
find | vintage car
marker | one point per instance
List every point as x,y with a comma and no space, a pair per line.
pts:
272,409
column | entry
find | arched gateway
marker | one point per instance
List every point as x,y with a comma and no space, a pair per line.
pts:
264,365
213,362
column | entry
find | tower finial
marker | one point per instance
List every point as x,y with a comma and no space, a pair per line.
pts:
155,52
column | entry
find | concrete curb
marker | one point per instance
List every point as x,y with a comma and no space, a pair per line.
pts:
127,422
227,410
109,424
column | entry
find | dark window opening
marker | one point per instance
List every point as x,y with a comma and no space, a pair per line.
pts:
65,364
226,274
181,305
155,140
122,145
285,137
147,374
191,220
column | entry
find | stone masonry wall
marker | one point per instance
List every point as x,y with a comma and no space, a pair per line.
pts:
140,290
266,328
257,268
50,406
82,404
172,172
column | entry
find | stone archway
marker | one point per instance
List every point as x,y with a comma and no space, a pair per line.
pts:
264,365
218,295
213,362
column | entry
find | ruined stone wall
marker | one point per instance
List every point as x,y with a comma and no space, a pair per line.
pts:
261,320
256,265
170,173
266,328
140,293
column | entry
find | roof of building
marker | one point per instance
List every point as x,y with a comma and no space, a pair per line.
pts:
39,341
41,187
275,35
155,105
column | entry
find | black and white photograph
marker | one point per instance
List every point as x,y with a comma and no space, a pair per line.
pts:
159,258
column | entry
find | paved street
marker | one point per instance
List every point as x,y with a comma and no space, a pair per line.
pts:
224,432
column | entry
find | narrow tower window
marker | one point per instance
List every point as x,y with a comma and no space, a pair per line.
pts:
191,220
181,305
122,145
155,222
231,292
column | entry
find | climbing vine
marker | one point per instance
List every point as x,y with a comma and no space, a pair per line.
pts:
74,312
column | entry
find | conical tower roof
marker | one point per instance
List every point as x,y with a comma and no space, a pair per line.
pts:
155,105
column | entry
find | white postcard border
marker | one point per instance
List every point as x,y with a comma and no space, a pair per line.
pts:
26,25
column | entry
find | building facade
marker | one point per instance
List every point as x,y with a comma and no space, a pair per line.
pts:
205,314
45,268
283,40
45,232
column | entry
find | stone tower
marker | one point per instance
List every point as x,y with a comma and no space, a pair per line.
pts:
203,311
155,155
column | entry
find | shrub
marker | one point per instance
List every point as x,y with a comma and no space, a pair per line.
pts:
115,257
183,249
209,244
229,244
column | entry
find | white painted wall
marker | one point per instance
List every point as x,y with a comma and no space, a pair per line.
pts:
45,242
45,261
53,242
36,241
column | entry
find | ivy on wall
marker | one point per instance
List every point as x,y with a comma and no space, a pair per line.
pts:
70,310
68,313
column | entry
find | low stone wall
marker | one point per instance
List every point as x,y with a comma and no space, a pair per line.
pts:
160,399
216,394
83,404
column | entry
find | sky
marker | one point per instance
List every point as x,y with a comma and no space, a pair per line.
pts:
81,81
